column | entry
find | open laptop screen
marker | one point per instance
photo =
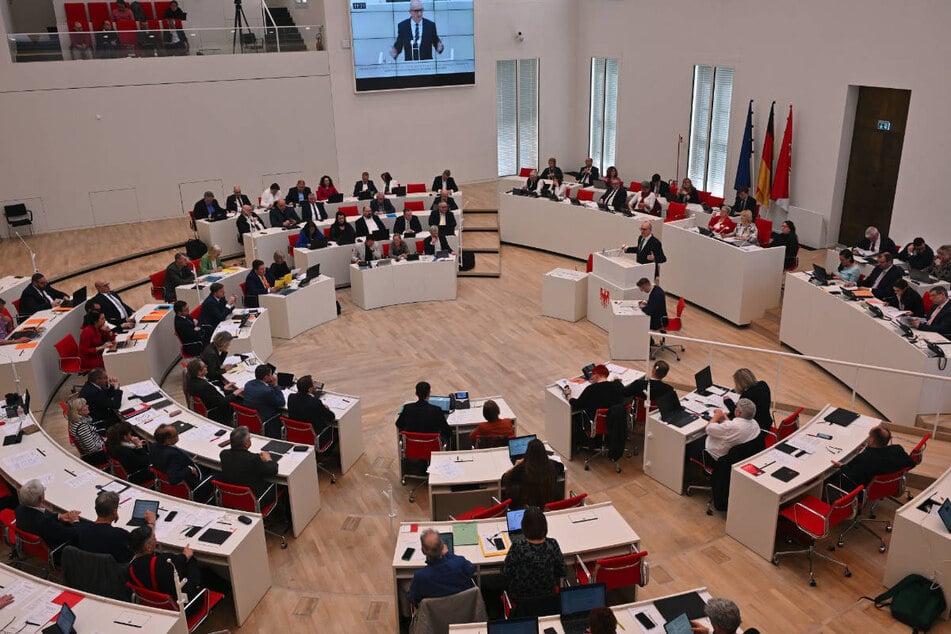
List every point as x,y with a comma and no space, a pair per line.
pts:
514,521
528,625
703,379
519,445
582,598
442,402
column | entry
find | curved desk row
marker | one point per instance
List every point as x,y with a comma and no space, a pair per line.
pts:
404,282
150,348
231,278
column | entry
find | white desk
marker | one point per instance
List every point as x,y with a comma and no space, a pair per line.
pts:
614,276
151,347
628,337
224,233
37,362
93,613
867,264
564,294
558,411
819,323
296,470
254,338
11,287
230,277
71,484
425,280
302,309
737,283
755,501
334,261
261,245
920,542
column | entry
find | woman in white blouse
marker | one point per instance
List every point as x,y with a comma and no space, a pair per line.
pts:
745,228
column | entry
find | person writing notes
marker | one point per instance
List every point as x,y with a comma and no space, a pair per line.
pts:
721,223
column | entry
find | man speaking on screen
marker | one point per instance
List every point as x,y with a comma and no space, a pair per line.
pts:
416,37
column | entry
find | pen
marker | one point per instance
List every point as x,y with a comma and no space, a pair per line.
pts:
42,453
127,624
768,464
70,472
124,501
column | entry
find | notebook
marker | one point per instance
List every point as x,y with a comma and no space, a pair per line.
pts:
277,446
689,603
842,417
785,474
214,536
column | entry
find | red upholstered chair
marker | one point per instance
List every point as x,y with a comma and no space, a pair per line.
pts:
787,425
196,312
635,187
886,486
181,490
30,546
127,33
16,307
795,262
415,188
386,249
98,11
147,9
626,571
918,452
585,195
764,229
419,246
598,429
414,205
158,285
349,211
6,313
196,610
75,12
567,503
525,172
703,196
119,471
499,509
198,406
68,350
239,498
417,446
247,417
160,6
244,291
715,201
676,211
674,324
925,300
673,188
291,241
327,232
590,265
303,433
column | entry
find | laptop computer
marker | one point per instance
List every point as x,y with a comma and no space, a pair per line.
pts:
672,412
365,195
335,198
65,622
576,605
920,276
442,402
514,521
518,446
285,380
398,191
820,274
138,511
380,234
526,625
576,202
944,512
704,381
79,297
704,231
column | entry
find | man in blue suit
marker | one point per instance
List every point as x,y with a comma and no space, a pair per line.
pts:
416,37
259,282
655,306
215,309
263,395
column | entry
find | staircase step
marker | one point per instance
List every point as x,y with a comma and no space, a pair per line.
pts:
480,229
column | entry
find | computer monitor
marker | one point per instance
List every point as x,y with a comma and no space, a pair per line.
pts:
703,379
442,402
527,625
668,404
820,274
582,599
519,445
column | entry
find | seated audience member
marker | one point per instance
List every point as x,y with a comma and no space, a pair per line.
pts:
311,209
917,254
533,480
258,282
612,172
758,393
445,573
89,443
33,517
444,197
305,406
178,273
875,242
422,417
217,401
724,433
326,188
788,239
364,185
588,173
443,218
147,39
282,215
688,194
215,309
271,195
241,467
95,338
407,223
176,463
534,568
554,190
211,261
7,326
659,187
552,171
107,41
941,267
721,223
174,11
381,205
102,536
847,271
532,183
657,386
104,398
247,222
188,331
214,356
907,299
614,197
724,617
882,278
80,42
600,394
117,312
208,208
298,194
310,237
648,248
342,231
938,318
365,252
645,201
878,458
655,306
744,202
493,427
368,224
602,621
40,295
263,395
388,183
154,571
130,450
430,243
745,230
176,42
279,267
444,181
236,200
398,247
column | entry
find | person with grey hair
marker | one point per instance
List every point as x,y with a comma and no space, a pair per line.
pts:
177,273
241,467
875,242
724,616
445,573
441,214
214,356
33,517
645,200
211,261
430,243
208,208
938,318
723,434
104,538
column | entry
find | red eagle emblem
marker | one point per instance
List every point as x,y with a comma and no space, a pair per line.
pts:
605,297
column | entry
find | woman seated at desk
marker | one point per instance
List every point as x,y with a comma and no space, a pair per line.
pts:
130,450
279,268
907,299
534,568
746,385
398,247
211,261
495,431
721,223
81,430
310,237
787,238
94,338
745,230
533,481
687,193
341,231
612,173
554,190
326,188
848,271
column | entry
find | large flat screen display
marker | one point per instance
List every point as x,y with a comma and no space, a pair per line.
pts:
413,44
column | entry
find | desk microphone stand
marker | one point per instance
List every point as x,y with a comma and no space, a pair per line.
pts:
32,253
387,493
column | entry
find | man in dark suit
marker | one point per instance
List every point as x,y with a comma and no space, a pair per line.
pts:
188,330
298,194
367,224
208,208
282,215
917,254
155,570
103,397
177,273
305,406
364,185
552,171
39,295
444,181
416,37
175,463
938,318
215,309
237,200
648,248
247,222
365,252
655,306
117,312
443,218
311,210
744,202
243,468
657,386
435,242
600,394
660,187
33,517
381,204
614,196
883,277
421,417
407,222
588,173
444,197
878,458
532,183
258,282
263,395
875,241
217,404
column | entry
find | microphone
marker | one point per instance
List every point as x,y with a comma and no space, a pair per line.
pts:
32,253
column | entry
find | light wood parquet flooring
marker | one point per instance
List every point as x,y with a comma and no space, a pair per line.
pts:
493,340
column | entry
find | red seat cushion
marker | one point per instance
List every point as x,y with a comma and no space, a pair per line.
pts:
809,522
585,195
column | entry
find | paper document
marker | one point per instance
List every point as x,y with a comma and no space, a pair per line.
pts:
567,274
778,457
142,388
23,460
489,546
582,516
335,401
803,442
614,368
132,619
445,468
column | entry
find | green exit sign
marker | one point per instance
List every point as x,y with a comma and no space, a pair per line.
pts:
885,126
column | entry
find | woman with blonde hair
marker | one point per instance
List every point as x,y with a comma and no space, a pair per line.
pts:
747,386
745,228
211,261
84,434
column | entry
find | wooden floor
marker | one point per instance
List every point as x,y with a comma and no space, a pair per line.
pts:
336,577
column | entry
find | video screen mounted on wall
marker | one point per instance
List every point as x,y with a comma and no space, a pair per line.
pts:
415,44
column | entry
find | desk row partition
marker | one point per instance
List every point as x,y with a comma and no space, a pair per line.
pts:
425,280
11,287
254,338
72,484
149,349
614,277
298,308
230,277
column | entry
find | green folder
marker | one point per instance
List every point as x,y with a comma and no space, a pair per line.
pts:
465,534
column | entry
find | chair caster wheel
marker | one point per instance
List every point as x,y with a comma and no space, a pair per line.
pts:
283,545
888,528
617,468
403,481
839,543
333,480
412,499
775,561
689,493
812,582
586,467
881,549
709,512
848,573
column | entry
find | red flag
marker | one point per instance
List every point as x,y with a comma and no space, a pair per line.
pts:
780,191
764,179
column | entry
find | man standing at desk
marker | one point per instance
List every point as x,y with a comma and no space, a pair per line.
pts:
883,277
939,318
648,248
243,468
878,458
263,395
103,397
445,573
422,417
655,306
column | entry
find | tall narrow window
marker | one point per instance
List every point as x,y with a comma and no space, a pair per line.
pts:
602,121
516,84
709,127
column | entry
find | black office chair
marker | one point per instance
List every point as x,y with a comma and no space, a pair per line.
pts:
18,216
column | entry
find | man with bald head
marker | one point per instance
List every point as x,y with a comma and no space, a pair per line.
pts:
117,312
445,196
416,37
